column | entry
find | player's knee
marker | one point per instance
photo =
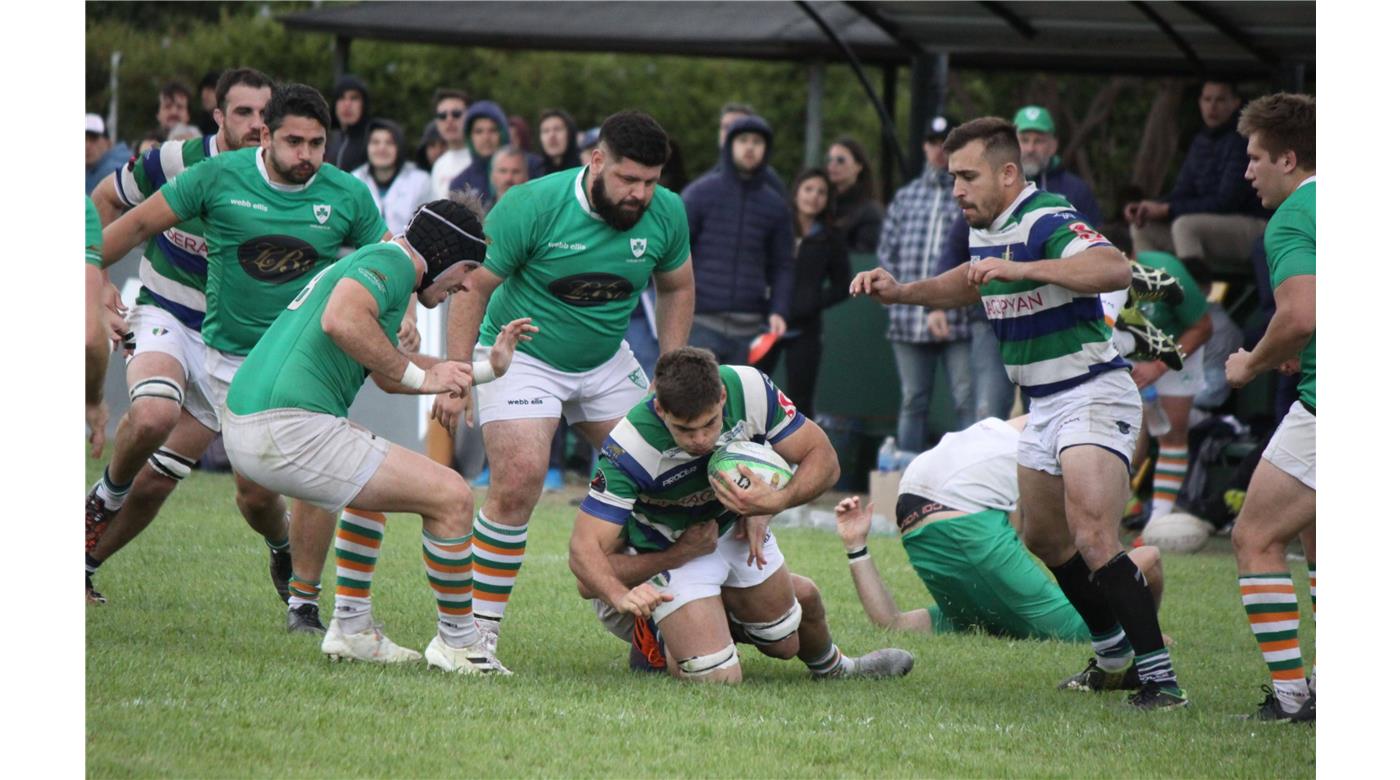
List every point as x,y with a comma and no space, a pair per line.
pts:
169,464
456,505
776,638
1096,544
721,666
809,597
254,499
153,417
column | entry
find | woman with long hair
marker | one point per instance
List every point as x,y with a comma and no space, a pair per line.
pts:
821,278
856,214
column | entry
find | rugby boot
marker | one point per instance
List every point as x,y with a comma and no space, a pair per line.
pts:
1272,710
1149,341
369,645
1153,696
93,597
648,653
98,517
1096,678
1154,284
279,566
473,659
305,619
888,662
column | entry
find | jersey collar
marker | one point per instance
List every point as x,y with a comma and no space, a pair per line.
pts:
1005,216
262,169
583,196
1305,182
211,145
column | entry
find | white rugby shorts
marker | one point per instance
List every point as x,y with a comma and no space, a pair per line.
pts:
726,567
1293,447
1105,411
157,330
535,389
219,368
319,458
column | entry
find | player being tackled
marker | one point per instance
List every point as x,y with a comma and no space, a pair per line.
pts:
285,425
652,495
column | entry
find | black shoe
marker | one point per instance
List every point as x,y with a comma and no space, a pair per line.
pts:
93,597
1154,284
1149,341
279,565
1271,710
1153,696
1095,678
305,619
98,516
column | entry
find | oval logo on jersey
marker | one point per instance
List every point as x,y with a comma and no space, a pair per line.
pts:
592,289
276,259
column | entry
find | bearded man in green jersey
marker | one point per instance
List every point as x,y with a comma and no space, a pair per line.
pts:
169,423
1281,502
654,487
573,250
286,426
273,216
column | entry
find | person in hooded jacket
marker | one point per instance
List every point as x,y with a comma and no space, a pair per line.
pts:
821,279
399,187
345,149
741,245
488,129
558,140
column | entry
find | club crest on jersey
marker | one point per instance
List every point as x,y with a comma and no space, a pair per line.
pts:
322,212
639,247
789,408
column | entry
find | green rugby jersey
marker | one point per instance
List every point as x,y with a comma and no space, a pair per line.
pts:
654,489
297,364
265,238
576,276
1173,319
1290,241
1051,338
94,235
174,265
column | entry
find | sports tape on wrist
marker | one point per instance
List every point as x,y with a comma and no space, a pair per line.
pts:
413,376
482,372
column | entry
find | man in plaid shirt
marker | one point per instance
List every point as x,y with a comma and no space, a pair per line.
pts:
912,241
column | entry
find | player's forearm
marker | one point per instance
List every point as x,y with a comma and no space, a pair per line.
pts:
675,309
817,473
591,565
96,369
109,206
357,333
948,290
464,324
633,570
388,385
874,596
1283,340
1098,269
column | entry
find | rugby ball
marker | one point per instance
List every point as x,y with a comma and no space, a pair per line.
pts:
760,459
1178,532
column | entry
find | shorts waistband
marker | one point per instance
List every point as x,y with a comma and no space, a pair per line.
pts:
1311,410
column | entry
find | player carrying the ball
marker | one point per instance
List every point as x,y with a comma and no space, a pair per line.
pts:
654,483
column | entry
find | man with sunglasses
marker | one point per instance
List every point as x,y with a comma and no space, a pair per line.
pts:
450,116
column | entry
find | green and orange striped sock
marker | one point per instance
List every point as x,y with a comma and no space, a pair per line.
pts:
449,565
302,592
497,552
358,537
1167,478
1272,608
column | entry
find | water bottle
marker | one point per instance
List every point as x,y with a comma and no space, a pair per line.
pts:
1158,423
884,461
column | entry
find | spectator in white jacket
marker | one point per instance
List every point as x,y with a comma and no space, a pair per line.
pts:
399,187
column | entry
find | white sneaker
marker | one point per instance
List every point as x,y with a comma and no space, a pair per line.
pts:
472,659
889,662
368,645
491,632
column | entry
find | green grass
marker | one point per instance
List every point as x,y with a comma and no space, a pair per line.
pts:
190,674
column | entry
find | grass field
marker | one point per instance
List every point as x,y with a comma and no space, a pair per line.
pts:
190,674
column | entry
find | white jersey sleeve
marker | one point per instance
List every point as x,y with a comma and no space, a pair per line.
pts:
971,470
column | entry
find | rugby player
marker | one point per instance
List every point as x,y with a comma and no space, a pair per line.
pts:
1037,267
285,425
653,485
574,250
104,327
273,215
957,512
1281,501
170,421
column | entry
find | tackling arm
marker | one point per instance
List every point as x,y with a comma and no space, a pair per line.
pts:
464,317
136,227
675,307
811,454
109,206
590,546
351,319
